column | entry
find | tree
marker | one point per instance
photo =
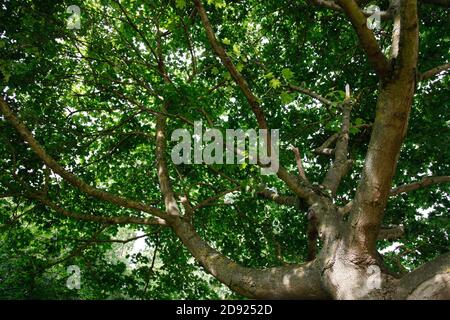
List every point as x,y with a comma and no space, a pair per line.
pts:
87,118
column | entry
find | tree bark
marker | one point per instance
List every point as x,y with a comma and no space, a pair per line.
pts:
287,282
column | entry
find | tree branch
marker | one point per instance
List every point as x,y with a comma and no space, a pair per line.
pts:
391,233
304,280
298,160
409,37
293,281
433,72
300,189
325,149
396,28
210,201
277,198
283,174
430,281
442,3
311,94
93,218
136,29
425,182
384,15
8,195
366,37
161,144
117,240
69,177
226,60
77,251
327,4
341,163
389,130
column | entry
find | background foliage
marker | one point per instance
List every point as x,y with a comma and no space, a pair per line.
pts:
88,96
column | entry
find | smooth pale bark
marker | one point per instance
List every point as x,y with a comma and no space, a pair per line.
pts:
429,282
287,282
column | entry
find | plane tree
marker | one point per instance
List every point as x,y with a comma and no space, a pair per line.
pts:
358,208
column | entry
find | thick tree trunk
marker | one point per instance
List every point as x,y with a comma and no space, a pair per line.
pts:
348,266
389,130
288,282
336,273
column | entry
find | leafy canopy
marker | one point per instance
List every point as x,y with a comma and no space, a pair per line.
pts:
90,96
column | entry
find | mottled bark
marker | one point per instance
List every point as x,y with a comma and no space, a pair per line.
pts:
287,282
389,129
430,281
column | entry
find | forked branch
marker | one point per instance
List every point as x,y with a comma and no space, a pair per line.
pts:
302,191
434,72
341,163
95,218
425,182
226,60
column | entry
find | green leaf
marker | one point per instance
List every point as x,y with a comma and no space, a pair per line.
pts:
180,4
334,125
215,71
226,41
286,98
287,73
237,49
220,4
341,94
275,83
359,121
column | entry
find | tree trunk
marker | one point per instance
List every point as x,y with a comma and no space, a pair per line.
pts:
336,273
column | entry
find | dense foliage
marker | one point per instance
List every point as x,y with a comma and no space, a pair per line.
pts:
90,96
